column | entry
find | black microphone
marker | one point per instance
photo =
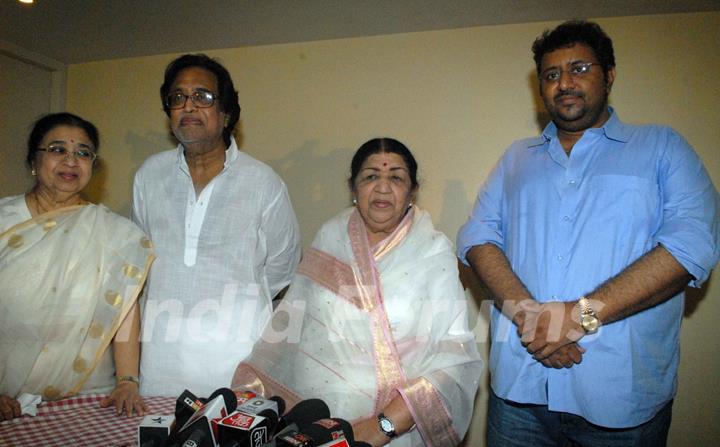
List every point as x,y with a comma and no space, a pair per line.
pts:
327,432
280,404
269,408
305,412
154,430
185,406
345,428
197,438
200,430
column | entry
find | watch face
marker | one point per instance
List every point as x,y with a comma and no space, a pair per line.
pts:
386,425
589,323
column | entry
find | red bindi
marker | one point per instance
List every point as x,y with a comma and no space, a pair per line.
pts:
384,164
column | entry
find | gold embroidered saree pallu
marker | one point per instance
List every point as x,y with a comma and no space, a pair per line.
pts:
361,325
69,277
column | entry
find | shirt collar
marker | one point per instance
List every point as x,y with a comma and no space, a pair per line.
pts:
613,129
231,154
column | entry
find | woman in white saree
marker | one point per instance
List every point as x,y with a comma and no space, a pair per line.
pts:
375,320
71,273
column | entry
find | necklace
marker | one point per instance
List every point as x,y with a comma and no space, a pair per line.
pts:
39,209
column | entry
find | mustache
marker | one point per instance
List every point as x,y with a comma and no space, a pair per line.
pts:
566,93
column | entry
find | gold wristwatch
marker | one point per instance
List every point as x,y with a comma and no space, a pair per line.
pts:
588,317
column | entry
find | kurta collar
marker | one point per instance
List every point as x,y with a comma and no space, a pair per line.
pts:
231,154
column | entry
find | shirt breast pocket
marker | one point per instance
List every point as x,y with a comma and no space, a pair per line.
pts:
624,201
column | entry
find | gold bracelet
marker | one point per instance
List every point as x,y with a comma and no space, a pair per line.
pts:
133,379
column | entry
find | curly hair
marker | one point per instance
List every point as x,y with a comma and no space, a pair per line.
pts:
570,33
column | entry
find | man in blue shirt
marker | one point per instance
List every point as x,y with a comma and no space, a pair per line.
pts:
586,237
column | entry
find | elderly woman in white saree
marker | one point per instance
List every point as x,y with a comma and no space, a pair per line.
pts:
71,273
375,320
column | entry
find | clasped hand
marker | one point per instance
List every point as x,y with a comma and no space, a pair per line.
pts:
549,332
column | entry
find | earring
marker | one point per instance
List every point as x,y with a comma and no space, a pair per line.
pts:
354,201
33,172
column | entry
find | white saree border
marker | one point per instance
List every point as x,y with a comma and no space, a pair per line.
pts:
71,276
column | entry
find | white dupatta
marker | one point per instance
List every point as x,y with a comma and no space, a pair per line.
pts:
332,337
69,277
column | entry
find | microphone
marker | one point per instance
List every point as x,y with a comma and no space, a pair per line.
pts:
201,429
154,430
326,432
304,413
334,427
185,406
197,438
244,395
245,429
253,423
341,442
269,408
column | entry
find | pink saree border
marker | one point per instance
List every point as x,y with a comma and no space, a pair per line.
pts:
389,373
254,379
331,273
423,401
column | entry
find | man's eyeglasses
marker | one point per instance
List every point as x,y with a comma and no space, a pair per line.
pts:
201,98
61,153
576,70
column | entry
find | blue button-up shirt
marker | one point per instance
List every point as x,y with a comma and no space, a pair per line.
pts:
568,224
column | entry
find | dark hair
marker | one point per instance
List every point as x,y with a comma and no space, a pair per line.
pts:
572,32
50,121
229,103
382,145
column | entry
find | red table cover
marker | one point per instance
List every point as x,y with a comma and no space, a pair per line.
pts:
79,421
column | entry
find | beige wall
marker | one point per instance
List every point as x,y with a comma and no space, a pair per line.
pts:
31,86
457,98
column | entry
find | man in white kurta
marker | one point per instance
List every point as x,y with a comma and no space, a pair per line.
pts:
226,236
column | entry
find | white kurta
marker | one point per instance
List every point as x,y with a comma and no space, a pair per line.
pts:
221,257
